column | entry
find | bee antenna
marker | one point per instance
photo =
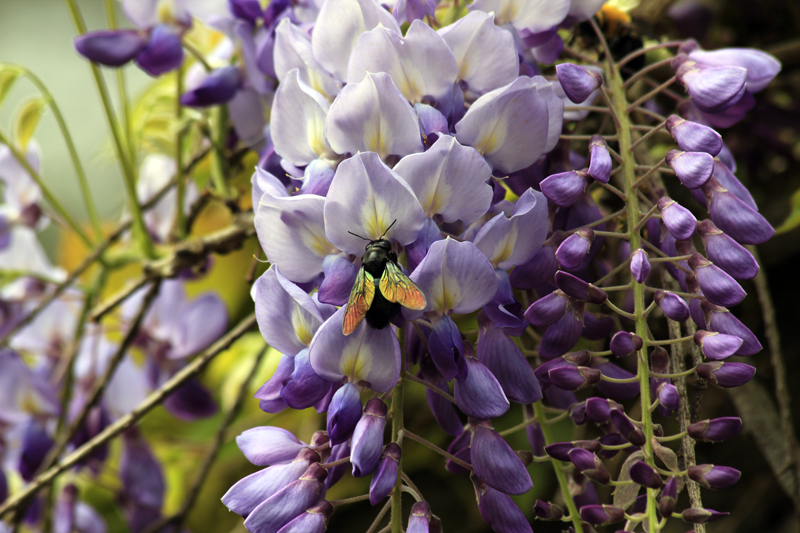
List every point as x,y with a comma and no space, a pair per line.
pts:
359,236
390,227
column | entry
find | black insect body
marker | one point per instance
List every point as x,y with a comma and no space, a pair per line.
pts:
382,311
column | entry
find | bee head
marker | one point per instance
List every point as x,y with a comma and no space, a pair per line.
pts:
380,244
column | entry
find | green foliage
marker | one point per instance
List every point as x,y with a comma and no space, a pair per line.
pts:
26,120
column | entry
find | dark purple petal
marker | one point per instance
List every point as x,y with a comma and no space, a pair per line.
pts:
536,438
694,137
340,276
673,306
626,428
219,87
721,320
713,476
726,253
701,516
417,250
589,465
625,343
459,447
573,378
344,413
505,360
566,188
573,250
581,358
600,515
596,327
547,511
480,395
669,496
337,452
192,401
384,480
447,349
717,346
288,503
734,217
540,269
496,463
599,159
140,472
693,168
716,429
36,442
163,53
269,394
668,397
680,222
304,387
599,409
561,336
249,10
578,83
443,409
499,510
718,287
726,375
616,391
547,310
367,443
112,48
579,289
644,475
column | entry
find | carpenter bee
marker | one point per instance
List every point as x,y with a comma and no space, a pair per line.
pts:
621,33
380,288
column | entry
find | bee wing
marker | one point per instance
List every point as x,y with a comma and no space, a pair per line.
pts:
360,299
397,287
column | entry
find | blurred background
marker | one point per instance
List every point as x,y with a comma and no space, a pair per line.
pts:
38,34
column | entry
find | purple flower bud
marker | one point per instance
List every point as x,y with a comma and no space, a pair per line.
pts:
547,511
578,83
680,222
566,188
599,409
717,346
735,217
626,428
644,475
35,444
344,412
112,48
673,306
499,510
574,378
580,290
314,520
599,159
249,10
536,438
726,253
693,168
367,443
668,396
701,516
495,462
713,89
480,394
337,452
659,361
640,265
163,53
539,270
726,375
3,486
721,320
669,497
573,250
624,343
589,465
563,335
219,87
716,429
714,477
601,515
547,310
420,519
560,450
718,287
288,503
446,348
694,137
581,358
383,481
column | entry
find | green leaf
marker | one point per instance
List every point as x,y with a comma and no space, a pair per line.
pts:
625,495
26,121
793,220
7,78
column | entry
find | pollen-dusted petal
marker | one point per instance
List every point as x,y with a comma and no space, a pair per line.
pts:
449,180
420,63
485,53
287,316
508,126
291,231
369,355
339,25
495,462
372,116
366,197
454,276
508,241
297,122
292,50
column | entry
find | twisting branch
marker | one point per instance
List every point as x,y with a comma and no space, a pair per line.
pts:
152,401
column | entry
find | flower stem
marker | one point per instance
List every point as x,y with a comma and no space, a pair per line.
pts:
558,466
624,134
397,427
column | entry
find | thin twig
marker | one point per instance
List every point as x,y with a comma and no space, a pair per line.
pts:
430,386
377,521
152,401
651,94
647,135
438,450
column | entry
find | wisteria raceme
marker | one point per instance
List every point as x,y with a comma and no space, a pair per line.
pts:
537,257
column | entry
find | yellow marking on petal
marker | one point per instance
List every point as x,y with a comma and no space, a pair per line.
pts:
375,217
356,362
318,244
504,248
165,12
302,329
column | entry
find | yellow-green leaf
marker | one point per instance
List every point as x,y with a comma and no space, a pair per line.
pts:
26,121
7,78
793,220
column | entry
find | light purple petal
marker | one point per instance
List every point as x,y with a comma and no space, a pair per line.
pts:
449,180
203,321
367,355
269,445
339,24
533,15
262,181
372,116
365,198
293,51
761,66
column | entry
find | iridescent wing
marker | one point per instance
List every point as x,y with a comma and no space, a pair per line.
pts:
360,299
397,287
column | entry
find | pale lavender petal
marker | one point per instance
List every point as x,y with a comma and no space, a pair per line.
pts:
269,445
449,180
761,66
293,51
367,355
372,116
262,181
533,15
366,197
340,275
203,321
